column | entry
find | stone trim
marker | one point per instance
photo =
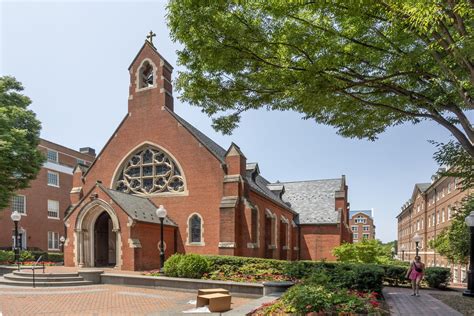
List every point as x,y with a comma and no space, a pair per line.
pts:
137,75
201,243
134,243
233,178
251,245
229,201
227,244
271,247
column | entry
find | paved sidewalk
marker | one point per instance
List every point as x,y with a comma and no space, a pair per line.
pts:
402,303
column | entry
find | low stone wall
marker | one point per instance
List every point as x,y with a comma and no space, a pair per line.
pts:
236,288
7,269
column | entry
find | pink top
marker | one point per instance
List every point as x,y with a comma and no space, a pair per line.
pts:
415,274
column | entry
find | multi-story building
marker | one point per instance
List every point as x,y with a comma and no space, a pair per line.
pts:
44,203
427,213
362,224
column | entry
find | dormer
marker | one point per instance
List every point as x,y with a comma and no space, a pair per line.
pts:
253,169
150,80
277,188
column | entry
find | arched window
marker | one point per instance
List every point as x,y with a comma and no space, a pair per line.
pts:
150,171
146,78
195,229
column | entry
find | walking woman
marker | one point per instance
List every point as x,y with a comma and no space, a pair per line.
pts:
415,274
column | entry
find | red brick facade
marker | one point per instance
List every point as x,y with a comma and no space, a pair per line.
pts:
428,212
362,225
235,218
35,222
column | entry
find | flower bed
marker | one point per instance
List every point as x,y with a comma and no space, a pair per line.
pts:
319,300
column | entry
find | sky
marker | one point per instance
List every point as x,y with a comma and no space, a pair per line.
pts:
72,58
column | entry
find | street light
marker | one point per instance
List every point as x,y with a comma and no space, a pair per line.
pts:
470,273
16,218
417,238
403,252
393,252
161,213
62,240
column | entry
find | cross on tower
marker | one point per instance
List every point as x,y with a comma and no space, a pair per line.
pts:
150,36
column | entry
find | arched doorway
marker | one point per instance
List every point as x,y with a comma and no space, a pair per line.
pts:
104,241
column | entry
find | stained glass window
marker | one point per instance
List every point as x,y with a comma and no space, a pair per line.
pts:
150,171
195,228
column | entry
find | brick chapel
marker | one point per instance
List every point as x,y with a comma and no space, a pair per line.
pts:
217,202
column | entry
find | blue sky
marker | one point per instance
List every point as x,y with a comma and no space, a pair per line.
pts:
72,58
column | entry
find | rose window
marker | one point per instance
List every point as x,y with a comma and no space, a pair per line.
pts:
150,171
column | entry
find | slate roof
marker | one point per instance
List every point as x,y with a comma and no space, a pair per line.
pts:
423,186
314,200
260,186
211,145
138,208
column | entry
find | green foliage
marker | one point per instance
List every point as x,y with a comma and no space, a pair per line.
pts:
186,266
55,257
358,66
454,241
171,265
306,298
365,251
26,255
20,159
358,277
395,275
7,256
437,277
453,154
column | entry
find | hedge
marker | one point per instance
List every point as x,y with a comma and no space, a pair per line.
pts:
437,277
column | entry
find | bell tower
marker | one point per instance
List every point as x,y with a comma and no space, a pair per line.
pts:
150,79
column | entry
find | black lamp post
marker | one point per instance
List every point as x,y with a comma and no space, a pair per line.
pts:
16,218
403,252
62,240
417,238
161,213
470,272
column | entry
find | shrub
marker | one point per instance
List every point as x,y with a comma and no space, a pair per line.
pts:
39,253
26,255
395,274
55,257
171,265
7,256
437,277
193,266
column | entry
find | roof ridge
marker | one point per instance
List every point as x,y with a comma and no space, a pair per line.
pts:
297,181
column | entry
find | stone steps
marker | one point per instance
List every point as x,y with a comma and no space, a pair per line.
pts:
22,278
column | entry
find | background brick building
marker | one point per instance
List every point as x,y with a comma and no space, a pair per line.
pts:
217,202
427,213
362,224
44,203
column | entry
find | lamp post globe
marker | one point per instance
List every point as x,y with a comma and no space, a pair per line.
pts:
470,272
417,238
15,216
161,213
62,240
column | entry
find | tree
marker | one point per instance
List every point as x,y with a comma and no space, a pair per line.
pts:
20,159
358,66
365,251
454,241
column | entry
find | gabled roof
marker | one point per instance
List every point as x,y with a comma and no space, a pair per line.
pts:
138,208
314,201
147,43
422,186
211,145
366,212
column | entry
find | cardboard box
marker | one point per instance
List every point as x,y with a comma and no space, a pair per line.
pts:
217,302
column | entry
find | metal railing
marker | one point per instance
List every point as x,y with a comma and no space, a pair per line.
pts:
33,269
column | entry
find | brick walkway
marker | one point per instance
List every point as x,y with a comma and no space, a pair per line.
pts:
401,303
97,300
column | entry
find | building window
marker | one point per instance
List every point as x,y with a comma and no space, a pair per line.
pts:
455,183
359,219
53,179
18,204
421,224
365,236
437,218
442,215
150,171
355,236
146,78
254,219
449,212
429,221
52,156
53,209
355,228
365,228
418,225
80,161
449,187
53,241
195,229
